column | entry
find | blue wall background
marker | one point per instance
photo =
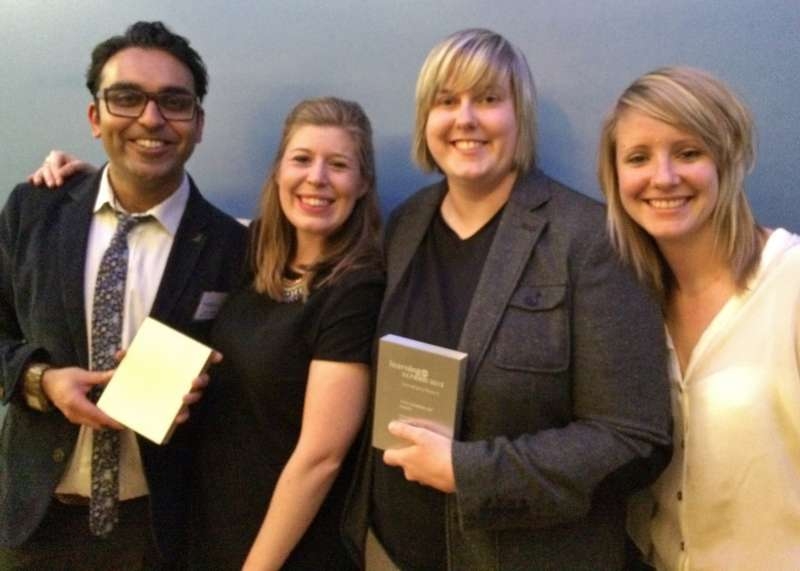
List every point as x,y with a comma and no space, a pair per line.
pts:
265,55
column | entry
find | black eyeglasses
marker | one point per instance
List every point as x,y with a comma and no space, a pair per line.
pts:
130,102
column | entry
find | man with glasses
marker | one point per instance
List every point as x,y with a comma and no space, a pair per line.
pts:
80,269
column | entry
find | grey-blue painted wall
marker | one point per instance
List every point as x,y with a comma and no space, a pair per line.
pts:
265,55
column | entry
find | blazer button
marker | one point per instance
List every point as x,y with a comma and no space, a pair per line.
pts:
532,300
58,455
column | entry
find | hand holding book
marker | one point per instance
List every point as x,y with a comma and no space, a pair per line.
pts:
196,389
162,372
417,383
427,459
417,396
195,393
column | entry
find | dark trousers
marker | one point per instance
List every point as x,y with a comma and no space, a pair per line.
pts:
63,542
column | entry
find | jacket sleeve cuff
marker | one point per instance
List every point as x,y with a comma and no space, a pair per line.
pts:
13,369
481,501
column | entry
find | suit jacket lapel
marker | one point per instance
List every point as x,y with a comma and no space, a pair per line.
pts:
186,249
517,234
76,218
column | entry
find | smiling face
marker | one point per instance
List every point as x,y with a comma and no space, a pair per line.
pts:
668,181
472,136
319,182
146,154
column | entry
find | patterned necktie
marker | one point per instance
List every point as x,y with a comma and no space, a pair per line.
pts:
107,313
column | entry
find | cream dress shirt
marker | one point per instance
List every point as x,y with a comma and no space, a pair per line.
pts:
149,244
730,498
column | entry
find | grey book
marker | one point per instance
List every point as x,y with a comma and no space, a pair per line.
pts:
418,383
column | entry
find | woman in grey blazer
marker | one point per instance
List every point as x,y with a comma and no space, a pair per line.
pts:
566,403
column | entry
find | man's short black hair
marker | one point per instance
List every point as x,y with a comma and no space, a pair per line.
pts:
149,35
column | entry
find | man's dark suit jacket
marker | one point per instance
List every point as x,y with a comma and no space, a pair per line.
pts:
43,239
566,402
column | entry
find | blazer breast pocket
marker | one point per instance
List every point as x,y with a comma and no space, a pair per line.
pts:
534,332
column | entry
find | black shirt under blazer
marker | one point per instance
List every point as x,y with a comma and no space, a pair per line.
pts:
566,404
43,239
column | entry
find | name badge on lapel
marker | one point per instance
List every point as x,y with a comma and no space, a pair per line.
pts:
209,305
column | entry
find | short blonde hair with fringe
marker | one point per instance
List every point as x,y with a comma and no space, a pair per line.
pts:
473,60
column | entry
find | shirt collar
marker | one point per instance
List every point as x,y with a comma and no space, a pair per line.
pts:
168,212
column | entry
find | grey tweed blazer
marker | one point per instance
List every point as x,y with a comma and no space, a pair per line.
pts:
566,403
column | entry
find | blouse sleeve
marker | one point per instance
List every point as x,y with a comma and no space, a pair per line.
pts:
348,317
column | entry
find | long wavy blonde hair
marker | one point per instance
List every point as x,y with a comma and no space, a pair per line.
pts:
355,244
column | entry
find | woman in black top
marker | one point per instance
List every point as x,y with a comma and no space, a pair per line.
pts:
284,406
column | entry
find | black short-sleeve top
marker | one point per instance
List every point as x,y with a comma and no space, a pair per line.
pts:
253,407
